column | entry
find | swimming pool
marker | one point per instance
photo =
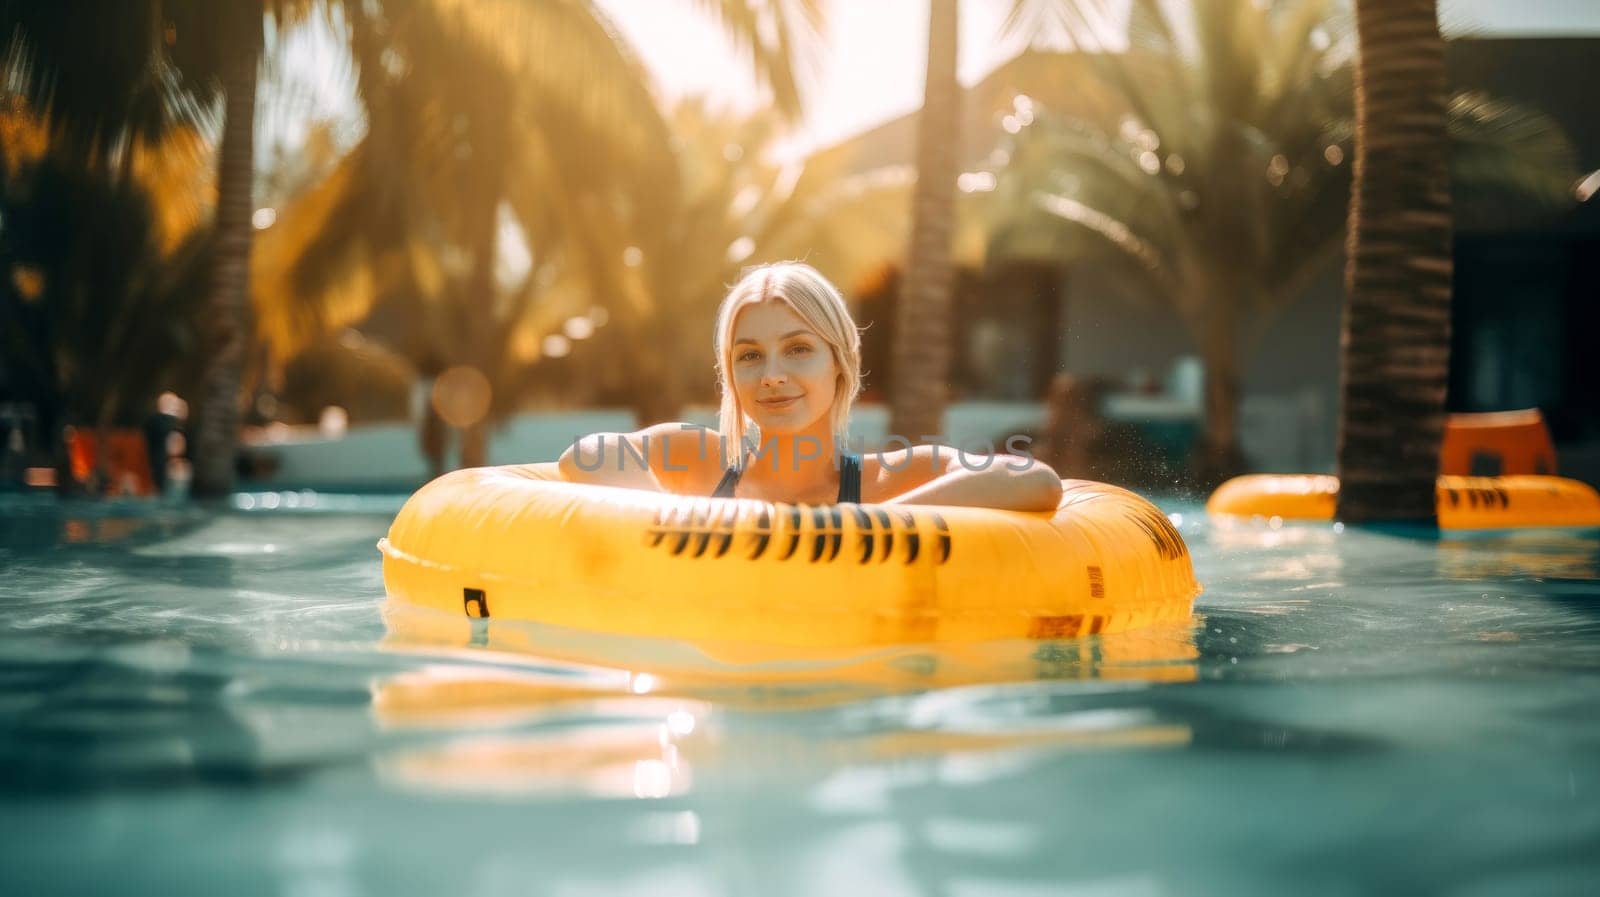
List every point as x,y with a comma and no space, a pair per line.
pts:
221,702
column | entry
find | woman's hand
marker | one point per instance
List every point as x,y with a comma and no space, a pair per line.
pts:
1008,482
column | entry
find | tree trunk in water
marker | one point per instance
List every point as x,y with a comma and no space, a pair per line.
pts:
656,396
475,445
654,407
483,327
922,318
1219,456
1396,338
226,328
433,435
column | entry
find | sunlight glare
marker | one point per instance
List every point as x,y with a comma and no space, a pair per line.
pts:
556,346
578,327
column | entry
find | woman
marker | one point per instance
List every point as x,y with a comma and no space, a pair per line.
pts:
789,364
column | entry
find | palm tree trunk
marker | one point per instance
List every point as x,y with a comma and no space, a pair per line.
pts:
475,445
654,404
1396,339
483,325
227,322
657,395
922,318
433,434
1219,456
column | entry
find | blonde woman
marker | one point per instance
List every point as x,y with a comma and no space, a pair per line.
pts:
789,365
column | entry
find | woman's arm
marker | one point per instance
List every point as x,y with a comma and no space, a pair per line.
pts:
666,457
1009,482
611,459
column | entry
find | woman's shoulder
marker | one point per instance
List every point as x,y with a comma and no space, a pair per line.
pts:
685,436
687,457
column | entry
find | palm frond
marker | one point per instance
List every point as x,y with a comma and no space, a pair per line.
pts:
1109,228
1508,161
102,87
1082,24
778,40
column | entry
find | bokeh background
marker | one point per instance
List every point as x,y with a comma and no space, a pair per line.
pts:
312,243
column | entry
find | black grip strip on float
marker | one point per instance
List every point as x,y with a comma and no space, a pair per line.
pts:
763,531
794,532
836,536
725,528
1163,535
819,525
680,526
887,526
944,537
864,523
913,538
702,522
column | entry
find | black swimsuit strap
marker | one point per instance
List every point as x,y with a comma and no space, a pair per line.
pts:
730,479
849,479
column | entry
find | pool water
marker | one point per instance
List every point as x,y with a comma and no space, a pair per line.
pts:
221,702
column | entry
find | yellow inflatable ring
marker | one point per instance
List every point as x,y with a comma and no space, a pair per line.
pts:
521,543
1464,503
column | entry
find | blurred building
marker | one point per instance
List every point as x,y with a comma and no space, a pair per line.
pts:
1527,286
1527,290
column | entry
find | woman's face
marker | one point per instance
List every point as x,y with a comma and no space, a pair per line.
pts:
783,372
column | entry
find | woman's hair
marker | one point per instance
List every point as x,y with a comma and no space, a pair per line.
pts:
818,303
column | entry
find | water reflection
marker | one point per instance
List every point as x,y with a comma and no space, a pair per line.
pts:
1315,552
515,718
159,714
792,676
203,693
1526,555
33,522
514,734
628,748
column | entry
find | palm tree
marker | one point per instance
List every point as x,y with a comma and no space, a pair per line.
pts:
122,290
125,138
116,74
1414,153
921,354
1395,341
187,49
643,184
226,334
477,115
1210,162
731,207
1221,185
529,113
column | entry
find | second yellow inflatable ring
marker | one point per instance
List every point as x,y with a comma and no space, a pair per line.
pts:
521,543
1463,503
